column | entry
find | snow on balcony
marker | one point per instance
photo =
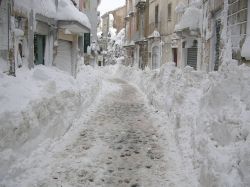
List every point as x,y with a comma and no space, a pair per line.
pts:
44,7
67,11
191,19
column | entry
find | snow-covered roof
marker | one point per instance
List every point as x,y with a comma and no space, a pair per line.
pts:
191,19
44,7
65,10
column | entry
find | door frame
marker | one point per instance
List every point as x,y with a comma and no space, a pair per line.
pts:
158,63
217,16
39,48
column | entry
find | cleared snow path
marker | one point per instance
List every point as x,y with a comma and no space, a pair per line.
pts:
121,143
117,143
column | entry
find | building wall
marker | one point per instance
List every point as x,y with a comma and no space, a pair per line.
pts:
4,25
237,21
119,15
90,9
118,23
105,24
4,34
168,18
131,20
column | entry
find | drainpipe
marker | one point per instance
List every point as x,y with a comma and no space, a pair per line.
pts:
248,18
31,39
11,59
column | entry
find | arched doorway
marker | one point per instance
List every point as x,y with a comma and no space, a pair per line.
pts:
155,57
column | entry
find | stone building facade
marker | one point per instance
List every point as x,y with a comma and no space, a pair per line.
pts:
222,25
39,37
119,15
130,29
187,32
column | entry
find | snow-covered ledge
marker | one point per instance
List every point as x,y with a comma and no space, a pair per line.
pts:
191,20
66,11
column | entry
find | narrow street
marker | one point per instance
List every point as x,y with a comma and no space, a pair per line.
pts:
128,93
117,147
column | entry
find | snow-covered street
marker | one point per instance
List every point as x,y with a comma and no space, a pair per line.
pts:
120,126
120,143
128,93
117,144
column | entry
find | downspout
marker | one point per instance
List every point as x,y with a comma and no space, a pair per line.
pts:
11,59
248,19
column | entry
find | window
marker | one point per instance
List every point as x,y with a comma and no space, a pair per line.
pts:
156,15
86,41
237,20
137,20
169,11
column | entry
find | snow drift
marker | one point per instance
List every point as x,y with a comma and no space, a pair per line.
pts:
211,117
41,104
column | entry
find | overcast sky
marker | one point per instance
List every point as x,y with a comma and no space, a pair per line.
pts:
107,5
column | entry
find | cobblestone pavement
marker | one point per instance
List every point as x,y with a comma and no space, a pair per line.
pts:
118,146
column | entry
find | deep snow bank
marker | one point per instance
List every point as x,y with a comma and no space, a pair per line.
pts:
211,113
41,104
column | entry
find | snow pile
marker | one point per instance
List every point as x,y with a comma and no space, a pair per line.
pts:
112,30
67,11
16,93
119,39
115,48
191,19
180,8
211,117
39,105
3,66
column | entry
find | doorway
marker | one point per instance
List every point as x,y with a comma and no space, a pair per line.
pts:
192,53
217,44
39,49
174,50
